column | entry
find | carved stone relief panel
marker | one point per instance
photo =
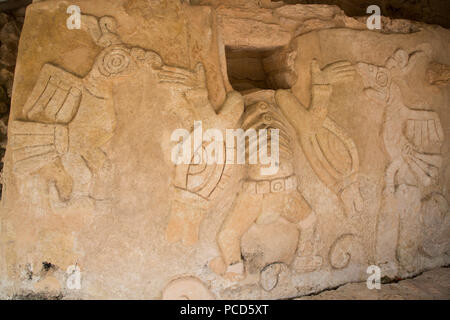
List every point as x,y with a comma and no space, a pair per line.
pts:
168,150
413,139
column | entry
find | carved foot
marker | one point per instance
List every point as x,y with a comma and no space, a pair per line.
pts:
234,272
191,229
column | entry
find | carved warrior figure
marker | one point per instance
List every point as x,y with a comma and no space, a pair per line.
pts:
66,114
198,182
413,139
267,199
263,199
330,151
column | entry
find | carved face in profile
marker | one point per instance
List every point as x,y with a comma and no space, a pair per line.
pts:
376,80
119,62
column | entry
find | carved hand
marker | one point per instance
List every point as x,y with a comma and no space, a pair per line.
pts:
335,72
184,78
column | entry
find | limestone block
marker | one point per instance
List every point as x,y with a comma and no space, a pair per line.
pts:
348,129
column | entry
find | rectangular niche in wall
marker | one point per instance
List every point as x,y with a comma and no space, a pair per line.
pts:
254,69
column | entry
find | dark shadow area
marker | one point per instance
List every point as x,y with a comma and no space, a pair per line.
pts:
428,11
259,69
246,69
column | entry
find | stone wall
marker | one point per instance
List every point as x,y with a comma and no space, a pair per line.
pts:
96,205
10,26
432,12
428,11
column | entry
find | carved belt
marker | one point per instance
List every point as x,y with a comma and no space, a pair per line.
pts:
270,186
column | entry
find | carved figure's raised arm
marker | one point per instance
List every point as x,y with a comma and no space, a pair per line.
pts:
321,88
193,85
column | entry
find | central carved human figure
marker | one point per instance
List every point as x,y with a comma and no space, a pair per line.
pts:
264,197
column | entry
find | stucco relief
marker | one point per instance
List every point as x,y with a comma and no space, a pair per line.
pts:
413,138
360,153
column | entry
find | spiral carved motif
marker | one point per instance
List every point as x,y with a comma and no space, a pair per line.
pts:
115,61
340,255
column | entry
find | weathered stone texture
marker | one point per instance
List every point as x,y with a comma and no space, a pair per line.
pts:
91,188
431,285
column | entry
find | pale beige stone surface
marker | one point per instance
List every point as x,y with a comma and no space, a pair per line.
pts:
89,184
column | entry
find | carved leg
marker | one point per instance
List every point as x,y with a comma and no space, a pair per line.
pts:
296,209
191,228
352,200
245,212
391,172
55,172
184,223
410,230
100,167
387,235
175,226
307,260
